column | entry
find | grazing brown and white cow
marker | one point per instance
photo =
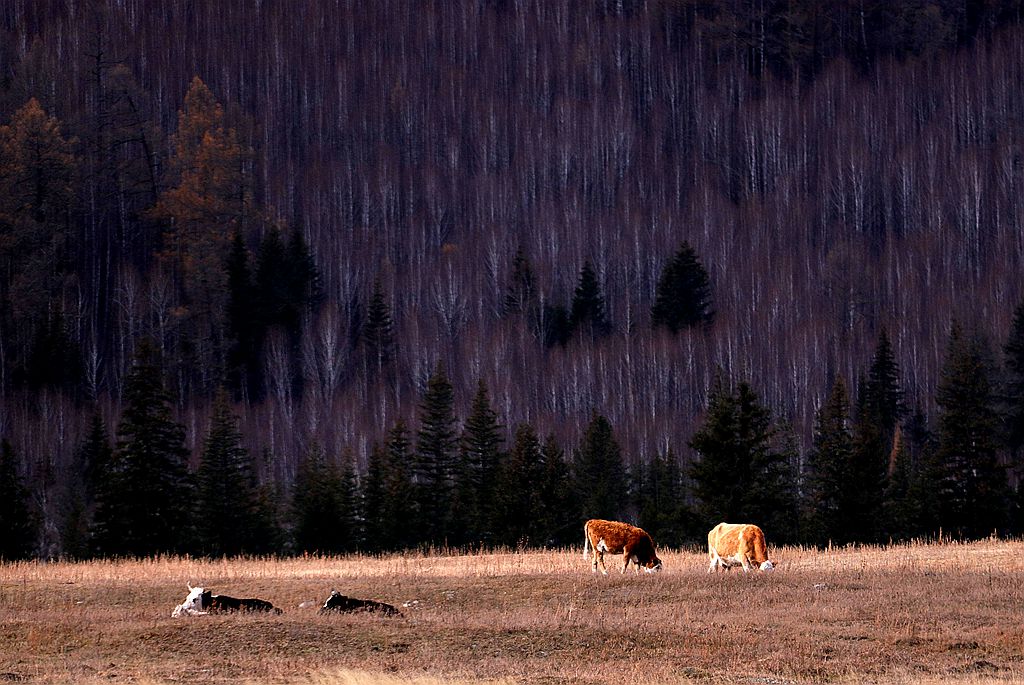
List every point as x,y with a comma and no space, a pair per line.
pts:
634,544
737,544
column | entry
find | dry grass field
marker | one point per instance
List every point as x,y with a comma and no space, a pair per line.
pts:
907,614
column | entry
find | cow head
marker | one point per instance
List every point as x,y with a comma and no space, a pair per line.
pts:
653,566
193,603
767,566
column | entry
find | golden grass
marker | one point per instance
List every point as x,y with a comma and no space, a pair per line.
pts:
907,614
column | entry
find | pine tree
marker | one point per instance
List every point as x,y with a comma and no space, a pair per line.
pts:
436,442
744,472
228,519
1013,410
244,360
588,313
144,495
378,332
92,458
479,456
973,492
375,502
273,289
827,466
683,296
555,326
883,397
559,504
600,471
400,508
16,518
305,291
867,472
319,510
661,497
519,491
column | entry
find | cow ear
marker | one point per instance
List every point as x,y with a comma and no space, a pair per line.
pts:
189,586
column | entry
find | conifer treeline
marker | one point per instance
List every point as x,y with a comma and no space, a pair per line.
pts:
625,207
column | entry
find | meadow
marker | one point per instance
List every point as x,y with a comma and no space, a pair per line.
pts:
923,612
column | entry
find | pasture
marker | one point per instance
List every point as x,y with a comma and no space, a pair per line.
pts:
907,614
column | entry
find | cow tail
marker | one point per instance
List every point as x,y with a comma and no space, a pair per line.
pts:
586,541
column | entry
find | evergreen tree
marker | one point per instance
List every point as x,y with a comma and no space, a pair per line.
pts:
683,295
519,491
744,472
1013,410
401,529
555,326
436,443
560,507
92,459
145,493
661,495
16,518
479,457
600,472
244,359
305,291
319,510
883,397
273,288
826,469
228,520
866,475
588,312
973,491
378,332
375,501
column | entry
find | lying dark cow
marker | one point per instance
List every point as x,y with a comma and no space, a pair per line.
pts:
341,603
202,601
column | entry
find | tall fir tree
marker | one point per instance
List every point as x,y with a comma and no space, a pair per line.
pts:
92,459
973,491
1013,411
883,395
826,469
518,491
587,315
244,372
434,465
374,495
378,333
868,470
555,326
559,503
16,518
479,456
683,297
661,497
319,508
744,472
144,495
228,516
600,472
400,496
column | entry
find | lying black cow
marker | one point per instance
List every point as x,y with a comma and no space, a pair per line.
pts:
202,601
340,603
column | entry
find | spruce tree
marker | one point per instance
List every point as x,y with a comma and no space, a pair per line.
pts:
600,472
92,459
318,507
745,468
244,363
401,529
683,296
436,444
305,290
866,476
661,497
227,517
16,518
521,295
145,494
375,500
1013,410
378,333
883,397
479,456
272,287
826,470
555,326
519,491
973,491
588,313
559,503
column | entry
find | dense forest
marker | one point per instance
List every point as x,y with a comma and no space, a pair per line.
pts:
323,276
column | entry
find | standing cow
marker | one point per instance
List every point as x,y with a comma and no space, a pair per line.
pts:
620,538
737,544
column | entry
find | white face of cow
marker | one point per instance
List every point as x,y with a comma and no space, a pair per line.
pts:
193,603
767,566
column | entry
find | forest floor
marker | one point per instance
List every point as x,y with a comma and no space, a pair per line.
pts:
932,613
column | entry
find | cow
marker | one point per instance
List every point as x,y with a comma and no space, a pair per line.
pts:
737,544
620,538
338,602
201,601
